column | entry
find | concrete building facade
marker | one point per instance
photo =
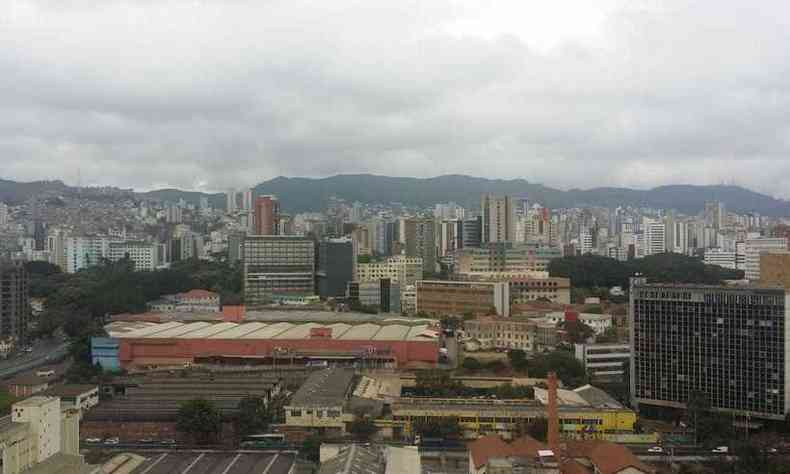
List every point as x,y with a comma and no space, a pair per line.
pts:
277,268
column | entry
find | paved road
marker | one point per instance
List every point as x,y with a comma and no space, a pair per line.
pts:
44,352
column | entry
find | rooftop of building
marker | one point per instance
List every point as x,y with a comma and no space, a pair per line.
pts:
278,330
277,315
355,459
492,446
70,390
35,401
329,387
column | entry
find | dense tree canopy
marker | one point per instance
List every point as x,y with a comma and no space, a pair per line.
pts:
591,271
200,419
568,369
253,416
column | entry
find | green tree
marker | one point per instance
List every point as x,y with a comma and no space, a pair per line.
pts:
253,416
437,383
568,369
6,400
362,427
200,419
518,359
311,448
471,364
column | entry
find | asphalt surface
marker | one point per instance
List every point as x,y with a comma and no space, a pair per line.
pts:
211,462
44,352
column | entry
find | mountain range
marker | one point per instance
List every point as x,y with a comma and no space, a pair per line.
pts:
311,194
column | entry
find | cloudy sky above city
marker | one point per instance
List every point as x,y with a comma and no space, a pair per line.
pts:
570,93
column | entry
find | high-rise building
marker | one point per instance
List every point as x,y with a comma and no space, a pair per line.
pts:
14,300
383,294
721,257
204,206
86,251
499,219
441,298
3,214
39,235
725,344
451,236
143,254
420,241
504,258
230,201
337,262
472,232
277,268
236,246
756,246
655,237
400,268
173,214
267,215
246,200
715,215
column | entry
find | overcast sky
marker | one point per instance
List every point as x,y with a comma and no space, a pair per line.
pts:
571,93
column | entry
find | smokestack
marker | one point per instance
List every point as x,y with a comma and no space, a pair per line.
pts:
554,418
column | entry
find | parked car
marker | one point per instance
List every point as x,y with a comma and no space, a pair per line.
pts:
720,450
146,440
168,441
655,449
112,441
92,440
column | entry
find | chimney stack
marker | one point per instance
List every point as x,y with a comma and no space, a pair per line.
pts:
554,418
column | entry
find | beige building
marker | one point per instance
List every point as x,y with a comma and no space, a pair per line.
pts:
405,270
41,436
775,268
321,403
507,333
440,298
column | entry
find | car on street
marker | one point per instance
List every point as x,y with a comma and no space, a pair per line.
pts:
720,450
112,441
655,449
146,440
168,441
92,440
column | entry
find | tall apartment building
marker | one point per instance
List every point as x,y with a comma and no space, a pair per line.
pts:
267,215
3,214
277,268
728,344
458,297
230,201
405,270
337,263
715,215
142,254
246,199
756,246
655,237
420,241
86,251
472,231
451,236
383,294
14,300
499,219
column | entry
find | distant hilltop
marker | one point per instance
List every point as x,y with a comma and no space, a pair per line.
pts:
311,194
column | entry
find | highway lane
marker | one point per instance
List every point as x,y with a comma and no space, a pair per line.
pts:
44,352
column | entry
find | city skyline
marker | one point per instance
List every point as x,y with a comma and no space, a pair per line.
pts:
204,97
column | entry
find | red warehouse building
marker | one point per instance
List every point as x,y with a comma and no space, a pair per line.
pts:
175,343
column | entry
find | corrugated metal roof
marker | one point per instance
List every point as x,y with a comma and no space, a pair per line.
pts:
147,332
418,333
269,331
363,331
300,331
184,329
338,329
392,332
238,331
209,330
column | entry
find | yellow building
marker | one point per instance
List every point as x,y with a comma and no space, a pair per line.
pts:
586,412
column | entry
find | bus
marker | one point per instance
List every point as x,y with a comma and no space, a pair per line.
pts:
264,441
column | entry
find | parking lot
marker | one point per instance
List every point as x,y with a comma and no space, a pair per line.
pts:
232,462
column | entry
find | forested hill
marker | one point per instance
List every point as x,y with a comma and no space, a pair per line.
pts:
311,194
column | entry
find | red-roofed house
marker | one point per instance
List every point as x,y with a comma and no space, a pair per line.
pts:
604,457
491,455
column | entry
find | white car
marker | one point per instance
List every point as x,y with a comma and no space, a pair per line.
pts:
112,440
720,450
655,449
92,440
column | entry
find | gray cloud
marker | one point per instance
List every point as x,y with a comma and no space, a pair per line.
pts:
215,94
